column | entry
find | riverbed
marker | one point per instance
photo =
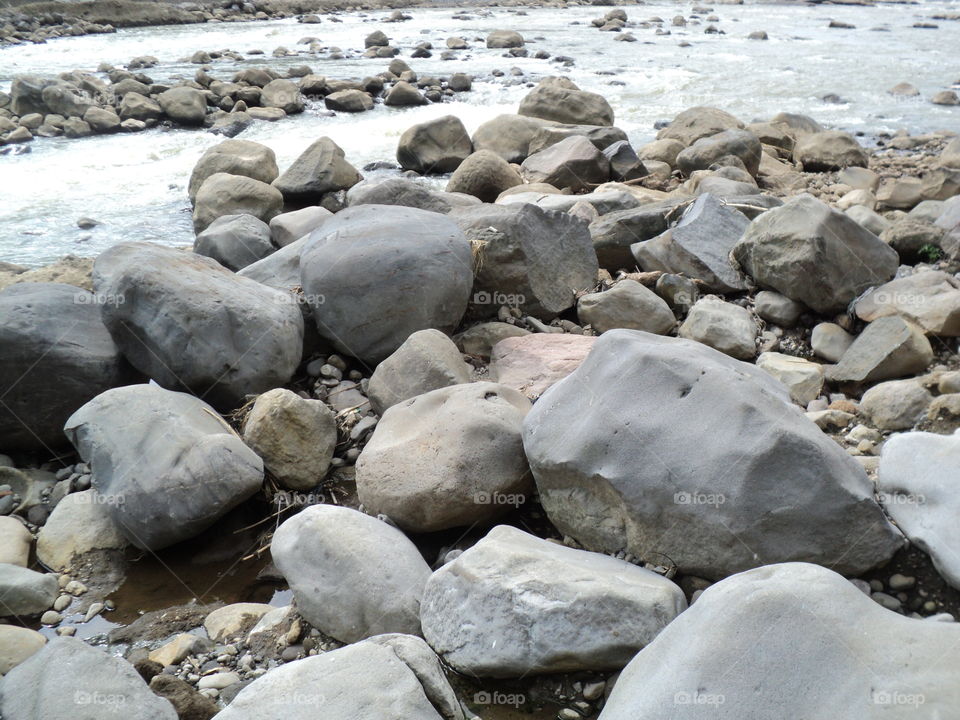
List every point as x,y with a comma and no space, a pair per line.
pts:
134,185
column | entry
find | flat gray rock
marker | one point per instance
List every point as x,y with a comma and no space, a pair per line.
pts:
676,453
165,463
514,604
791,641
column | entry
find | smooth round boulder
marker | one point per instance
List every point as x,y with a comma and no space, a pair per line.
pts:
223,194
447,458
375,274
69,679
564,102
236,157
500,39
352,575
184,105
485,175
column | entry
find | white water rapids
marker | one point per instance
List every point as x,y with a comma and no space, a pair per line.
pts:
135,184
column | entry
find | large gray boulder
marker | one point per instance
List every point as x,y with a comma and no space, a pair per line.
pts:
515,604
562,101
165,463
236,157
235,241
352,576
829,150
319,169
26,94
64,98
184,105
698,122
537,260
55,355
375,274
706,151
396,676
828,651
224,194
699,245
283,94
426,361
612,445
573,163
814,254
509,136
70,680
916,484
434,147
450,457
504,39
188,322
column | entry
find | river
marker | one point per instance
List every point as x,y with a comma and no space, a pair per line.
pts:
135,184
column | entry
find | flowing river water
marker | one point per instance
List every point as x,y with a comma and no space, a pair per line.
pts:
135,184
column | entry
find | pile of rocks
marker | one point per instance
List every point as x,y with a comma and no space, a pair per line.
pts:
80,104
680,371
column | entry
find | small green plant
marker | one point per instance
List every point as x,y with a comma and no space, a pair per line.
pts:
930,253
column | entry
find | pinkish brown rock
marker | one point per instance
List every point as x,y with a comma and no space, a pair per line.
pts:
533,363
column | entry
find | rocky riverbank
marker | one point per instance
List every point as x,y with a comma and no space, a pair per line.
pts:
575,435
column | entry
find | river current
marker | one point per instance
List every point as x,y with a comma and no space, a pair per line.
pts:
134,185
